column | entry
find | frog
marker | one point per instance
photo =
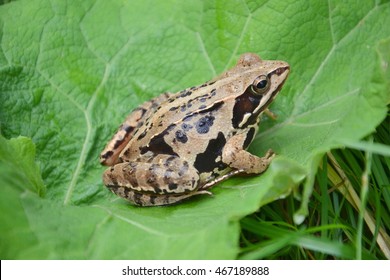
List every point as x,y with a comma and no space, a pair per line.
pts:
179,145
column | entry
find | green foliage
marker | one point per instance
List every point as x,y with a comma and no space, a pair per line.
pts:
69,74
334,228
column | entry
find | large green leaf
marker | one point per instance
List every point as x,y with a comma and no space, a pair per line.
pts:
70,73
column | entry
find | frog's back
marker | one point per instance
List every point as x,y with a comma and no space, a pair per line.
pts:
185,125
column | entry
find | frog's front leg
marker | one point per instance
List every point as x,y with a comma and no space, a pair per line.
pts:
164,180
109,156
241,161
234,155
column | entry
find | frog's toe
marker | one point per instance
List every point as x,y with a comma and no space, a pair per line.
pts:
270,154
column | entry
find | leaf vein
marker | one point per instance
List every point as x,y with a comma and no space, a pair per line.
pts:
205,53
88,135
331,23
131,222
88,119
324,62
239,40
292,118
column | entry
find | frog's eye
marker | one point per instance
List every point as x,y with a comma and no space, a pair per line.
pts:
260,85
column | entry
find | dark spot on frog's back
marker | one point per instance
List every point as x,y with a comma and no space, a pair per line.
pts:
107,155
204,123
157,144
185,93
186,127
128,128
207,161
181,136
142,135
172,186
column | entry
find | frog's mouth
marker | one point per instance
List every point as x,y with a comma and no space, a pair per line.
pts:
280,71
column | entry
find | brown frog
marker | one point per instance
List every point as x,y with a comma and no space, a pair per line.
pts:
179,145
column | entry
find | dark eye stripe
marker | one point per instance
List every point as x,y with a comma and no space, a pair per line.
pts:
244,104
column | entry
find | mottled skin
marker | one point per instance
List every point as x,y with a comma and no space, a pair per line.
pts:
179,145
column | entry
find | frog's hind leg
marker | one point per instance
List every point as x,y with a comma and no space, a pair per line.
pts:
142,199
164,180
109,156
231,173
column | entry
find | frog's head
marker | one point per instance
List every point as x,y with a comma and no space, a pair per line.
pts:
260,82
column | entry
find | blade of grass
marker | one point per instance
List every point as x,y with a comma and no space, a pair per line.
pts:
338,177
362,208
279,238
